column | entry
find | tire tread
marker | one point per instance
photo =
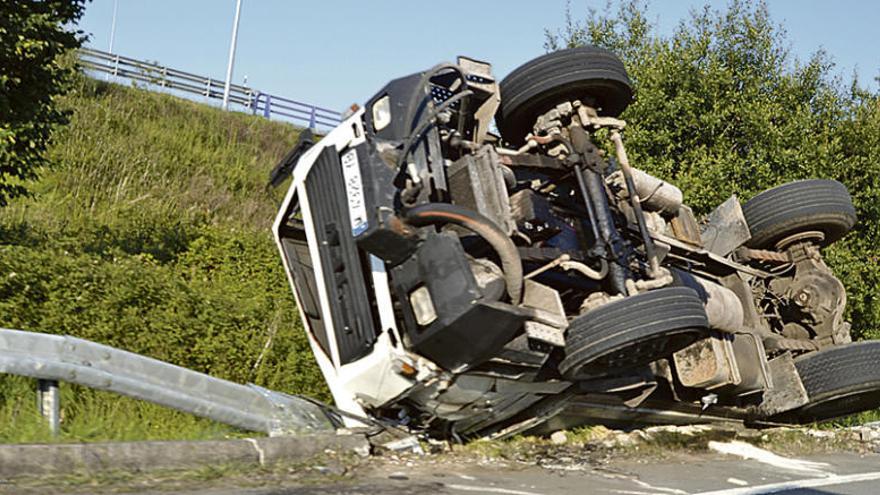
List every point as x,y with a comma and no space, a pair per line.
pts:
816,204
659,313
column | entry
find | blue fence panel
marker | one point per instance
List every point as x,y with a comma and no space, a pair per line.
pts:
269,105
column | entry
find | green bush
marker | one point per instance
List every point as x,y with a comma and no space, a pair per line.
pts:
151,233
721,107
223,307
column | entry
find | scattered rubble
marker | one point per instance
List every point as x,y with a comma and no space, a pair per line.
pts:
558,438
594,447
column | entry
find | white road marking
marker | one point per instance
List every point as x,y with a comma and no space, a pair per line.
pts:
488,489
657,489
465,477
737,481
654,489
834,479
661,489
749,451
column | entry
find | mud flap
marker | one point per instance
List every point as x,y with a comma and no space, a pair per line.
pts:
787,392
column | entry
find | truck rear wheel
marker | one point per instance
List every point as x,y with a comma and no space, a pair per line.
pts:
839,381
819,206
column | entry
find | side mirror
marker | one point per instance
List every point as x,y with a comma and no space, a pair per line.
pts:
288,163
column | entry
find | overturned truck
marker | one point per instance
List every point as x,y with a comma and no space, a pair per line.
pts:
471,281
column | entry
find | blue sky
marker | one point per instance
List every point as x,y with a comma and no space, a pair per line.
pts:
334,53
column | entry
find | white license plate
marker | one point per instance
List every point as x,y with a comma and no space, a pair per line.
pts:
354,189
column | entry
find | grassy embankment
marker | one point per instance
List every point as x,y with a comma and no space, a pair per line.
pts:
151,233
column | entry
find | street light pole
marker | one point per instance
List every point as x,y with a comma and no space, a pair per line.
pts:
113,24
231,55
112,38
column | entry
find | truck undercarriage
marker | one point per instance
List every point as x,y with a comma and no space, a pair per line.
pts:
468,283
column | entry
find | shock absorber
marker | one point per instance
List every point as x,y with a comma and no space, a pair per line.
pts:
592,188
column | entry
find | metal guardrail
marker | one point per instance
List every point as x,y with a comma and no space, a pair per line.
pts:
54,358
269,105
256,102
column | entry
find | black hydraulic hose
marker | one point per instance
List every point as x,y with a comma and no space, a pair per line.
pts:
582,185
442,213
418,134
415,134
418,95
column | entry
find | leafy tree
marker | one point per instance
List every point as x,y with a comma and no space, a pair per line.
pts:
722,107
34,34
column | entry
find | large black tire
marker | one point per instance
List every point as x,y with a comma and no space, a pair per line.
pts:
808,205
633,331
839,381
591,74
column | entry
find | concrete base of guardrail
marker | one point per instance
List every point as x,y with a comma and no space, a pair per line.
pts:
59,459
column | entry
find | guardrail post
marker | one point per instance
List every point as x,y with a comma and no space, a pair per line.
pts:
312,119
49,403
267,112
256,102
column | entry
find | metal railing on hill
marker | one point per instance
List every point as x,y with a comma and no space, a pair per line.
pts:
256,102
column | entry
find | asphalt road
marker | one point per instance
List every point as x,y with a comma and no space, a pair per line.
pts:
717,473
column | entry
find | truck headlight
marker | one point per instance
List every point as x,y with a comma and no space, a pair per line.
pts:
381,113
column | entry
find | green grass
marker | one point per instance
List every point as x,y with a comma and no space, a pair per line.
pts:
150,232
94,416
133,154
853,420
